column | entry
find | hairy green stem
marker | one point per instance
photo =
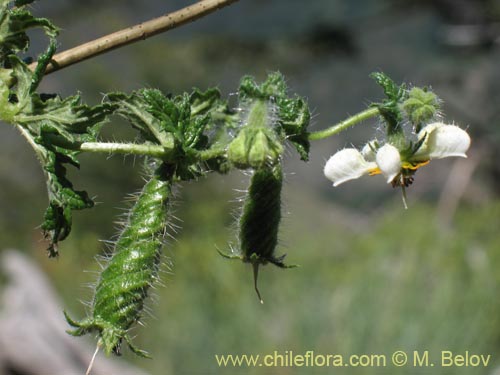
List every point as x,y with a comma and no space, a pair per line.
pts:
156,151
343,125
126,148
212,153
164,153
38,150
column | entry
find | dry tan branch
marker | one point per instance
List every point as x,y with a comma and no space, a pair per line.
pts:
134,33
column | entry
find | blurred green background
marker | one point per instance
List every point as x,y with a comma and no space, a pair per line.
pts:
373,278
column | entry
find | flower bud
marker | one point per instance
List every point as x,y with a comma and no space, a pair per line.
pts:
254,148
421,106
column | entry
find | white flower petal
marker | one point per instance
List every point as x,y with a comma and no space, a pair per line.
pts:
443,141
347,164
389,161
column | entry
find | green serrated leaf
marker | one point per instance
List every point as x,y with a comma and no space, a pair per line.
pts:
273,87
54,126
43,60
65,117
162,108
63,199
174,115
203,102
168,121
388,85
13,26
19,92
389,108
68,122
175,118
135,109
193,125
294,117
250,89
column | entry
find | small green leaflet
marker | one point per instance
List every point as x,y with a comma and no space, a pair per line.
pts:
185,124
55,128
389,108
14,22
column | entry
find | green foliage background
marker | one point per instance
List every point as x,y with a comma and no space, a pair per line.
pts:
374,278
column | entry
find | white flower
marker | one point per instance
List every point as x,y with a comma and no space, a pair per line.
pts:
388,161
346,165
442,141
435,141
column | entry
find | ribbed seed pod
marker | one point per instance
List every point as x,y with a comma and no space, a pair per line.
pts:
123,285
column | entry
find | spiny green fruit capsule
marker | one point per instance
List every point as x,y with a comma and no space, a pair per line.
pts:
259,222
123,285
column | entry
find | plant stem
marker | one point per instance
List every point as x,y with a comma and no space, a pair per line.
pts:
38,151
134,33
343,125
125,148
212,153
156,151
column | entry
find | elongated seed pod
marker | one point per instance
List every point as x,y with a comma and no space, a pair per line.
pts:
259,222
123,285
260,219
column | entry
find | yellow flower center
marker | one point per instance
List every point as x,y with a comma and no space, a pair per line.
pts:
374,171
413,166
405,166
